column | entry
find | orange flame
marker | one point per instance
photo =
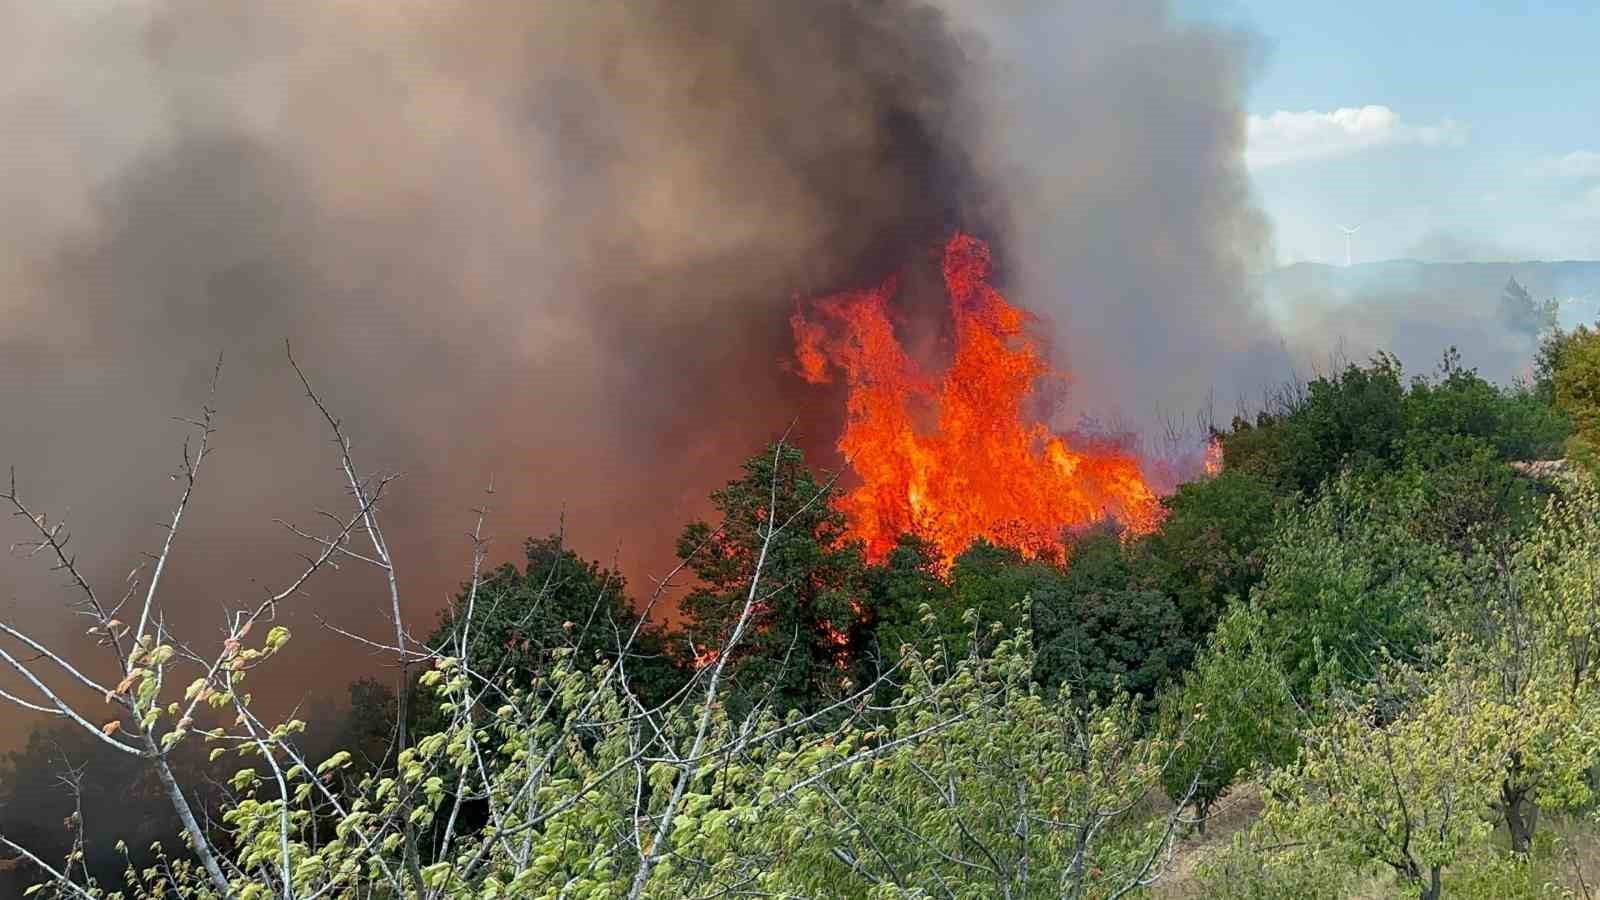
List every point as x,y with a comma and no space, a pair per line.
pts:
987,469
1213,459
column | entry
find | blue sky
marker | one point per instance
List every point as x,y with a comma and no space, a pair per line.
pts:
1447,130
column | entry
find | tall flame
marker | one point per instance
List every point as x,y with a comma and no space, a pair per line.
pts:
986,468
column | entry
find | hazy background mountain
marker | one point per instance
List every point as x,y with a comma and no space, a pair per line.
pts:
1414,308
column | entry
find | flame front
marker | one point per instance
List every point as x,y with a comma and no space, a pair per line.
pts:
986,468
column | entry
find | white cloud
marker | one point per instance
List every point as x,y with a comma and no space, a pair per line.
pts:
1286,137
1577,164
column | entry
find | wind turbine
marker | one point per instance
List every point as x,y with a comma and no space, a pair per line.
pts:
1347,233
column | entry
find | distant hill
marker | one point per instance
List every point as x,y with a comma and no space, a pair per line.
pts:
1576,283
1416,309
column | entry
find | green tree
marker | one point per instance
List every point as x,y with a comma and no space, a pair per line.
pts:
1406,789
1352,420
1548,359
1459,402
1576,380
1532,662
1346,581
556,601
1099,632
1366,420
1019,795
1212,545
912,605
1233,711
991,581
1461,490
807,630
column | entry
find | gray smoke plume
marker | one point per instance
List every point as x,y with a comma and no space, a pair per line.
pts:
557,243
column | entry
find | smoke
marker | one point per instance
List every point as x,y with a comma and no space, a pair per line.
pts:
1495,314
556,243
1117,137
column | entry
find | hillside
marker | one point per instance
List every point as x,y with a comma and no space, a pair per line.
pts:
1575,282
1413,309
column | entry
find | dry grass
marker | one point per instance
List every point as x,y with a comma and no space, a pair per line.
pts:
1575,863
1233,813
1569,861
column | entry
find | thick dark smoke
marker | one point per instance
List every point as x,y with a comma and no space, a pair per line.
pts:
557,243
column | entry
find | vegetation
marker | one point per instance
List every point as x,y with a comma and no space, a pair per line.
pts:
1368,619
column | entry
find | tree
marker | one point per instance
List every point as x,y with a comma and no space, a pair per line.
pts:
1460,491
1366,420
1354,419
990,581
1459,402
1397,780
1234,711
1099,631
1345,582
368,728
1020,795
806,630
65,793
557,601
1548,359
1212,545
912,605
1532,661
1576,380
1522,313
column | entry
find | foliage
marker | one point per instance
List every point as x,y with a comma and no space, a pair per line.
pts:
1547,359
1531,662
1459,491
1234,711
1252,868
1366,419
65,793
1346,582
1020,795
931,803
912,605
1099,631
806,623
557,601
1366,611
1211,546
990,580
1457,401
1400,781
1355,419
1576,381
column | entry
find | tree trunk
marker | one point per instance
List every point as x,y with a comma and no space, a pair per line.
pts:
1521,817
1430,891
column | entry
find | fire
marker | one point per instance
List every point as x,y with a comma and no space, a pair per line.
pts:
986,467
1213,458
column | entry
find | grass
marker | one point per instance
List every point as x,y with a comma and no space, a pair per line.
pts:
1564,863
